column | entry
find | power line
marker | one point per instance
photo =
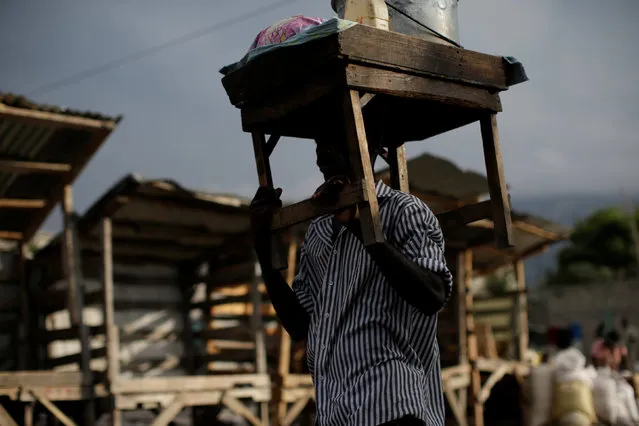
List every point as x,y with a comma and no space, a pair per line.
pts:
141,54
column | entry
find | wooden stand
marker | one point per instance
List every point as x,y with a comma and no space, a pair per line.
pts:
410,89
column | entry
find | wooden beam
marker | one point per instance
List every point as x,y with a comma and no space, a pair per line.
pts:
25,167
496,182
360,169
303,211
271,144
460,285
471,339
52,408
284,362
258,333
170,412
522,311
394,83
75,286
52,119
398,168
21,204
113,362
465,215
5,418
11,235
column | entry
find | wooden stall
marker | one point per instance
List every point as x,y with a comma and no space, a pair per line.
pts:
147,254
42,150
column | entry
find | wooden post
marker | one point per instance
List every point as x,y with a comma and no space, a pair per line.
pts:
522,310
187,283
360,167
466,258
496,181
284,364
259,335
112,344
398,168
24,324
265,178
75,288
28,414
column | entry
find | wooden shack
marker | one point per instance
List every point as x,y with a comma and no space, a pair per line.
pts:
145,253
42,150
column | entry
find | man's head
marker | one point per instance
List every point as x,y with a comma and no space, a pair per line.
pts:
332,158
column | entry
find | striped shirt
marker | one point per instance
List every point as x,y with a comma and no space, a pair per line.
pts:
373,357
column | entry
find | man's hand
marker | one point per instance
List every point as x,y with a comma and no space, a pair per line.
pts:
264,205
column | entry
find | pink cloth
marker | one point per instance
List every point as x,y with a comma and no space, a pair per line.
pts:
284,29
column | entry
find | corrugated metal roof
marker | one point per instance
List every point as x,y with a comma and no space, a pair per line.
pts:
42,149
161,220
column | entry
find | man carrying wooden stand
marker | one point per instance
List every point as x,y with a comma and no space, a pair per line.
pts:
368,313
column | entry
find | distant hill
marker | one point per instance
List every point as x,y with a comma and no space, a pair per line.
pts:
565,209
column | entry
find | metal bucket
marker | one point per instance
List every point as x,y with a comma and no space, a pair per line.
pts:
439,15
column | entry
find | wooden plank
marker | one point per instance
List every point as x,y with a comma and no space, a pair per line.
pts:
394,50
398,168
471,341
258,333
188,384
113,362
460,285
494,378
522,311
27,379
169,413
26,167
11,235
52,119
236,406
496,182
389,82
21,204
52,408
5,418
464,215
360,168
295,410
303,211
75,288
284,361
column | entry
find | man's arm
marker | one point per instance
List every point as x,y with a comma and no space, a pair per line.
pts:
416,269
287,307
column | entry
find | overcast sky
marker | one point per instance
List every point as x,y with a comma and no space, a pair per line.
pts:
574,127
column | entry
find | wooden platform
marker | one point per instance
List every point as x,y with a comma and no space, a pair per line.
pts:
288,91
366,82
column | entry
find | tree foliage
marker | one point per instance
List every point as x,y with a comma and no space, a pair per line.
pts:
601,247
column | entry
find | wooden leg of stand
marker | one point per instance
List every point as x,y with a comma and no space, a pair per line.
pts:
360,168
496,182
278,248
398,168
